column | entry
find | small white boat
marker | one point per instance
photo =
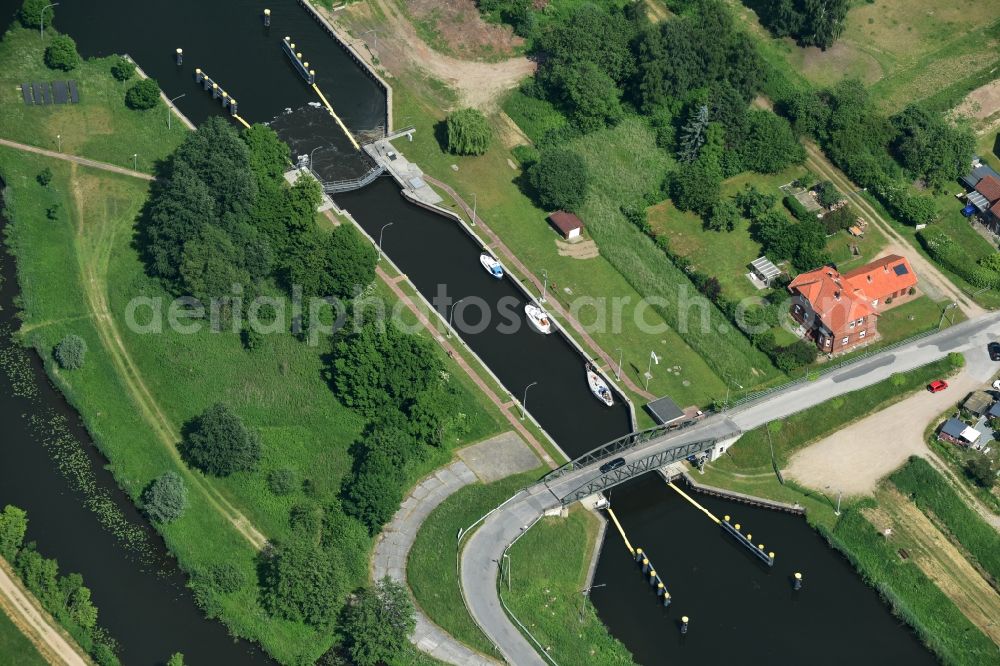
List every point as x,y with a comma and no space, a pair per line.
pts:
491,265
538,318
599,387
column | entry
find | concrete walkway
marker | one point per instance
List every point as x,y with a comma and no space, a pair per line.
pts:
393,549
103,166
36,625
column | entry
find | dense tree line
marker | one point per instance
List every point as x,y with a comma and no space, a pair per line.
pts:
222,216
65,597
810,22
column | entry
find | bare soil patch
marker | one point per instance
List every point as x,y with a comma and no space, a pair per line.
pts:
585,249
982,102
841,59
461,31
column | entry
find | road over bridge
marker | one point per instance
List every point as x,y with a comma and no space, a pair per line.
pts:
479,568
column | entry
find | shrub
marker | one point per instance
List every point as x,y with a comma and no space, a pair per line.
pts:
469,133
956,359
143,95
980,470
71,352
378,622
165,499
44,177
797,209
301,582
122,68
525,155
281,481
31,13
559,178
218,443
52,212
61,54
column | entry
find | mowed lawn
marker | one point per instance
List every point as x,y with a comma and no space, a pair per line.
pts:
278,388
100,127
906,50
496,187
15,648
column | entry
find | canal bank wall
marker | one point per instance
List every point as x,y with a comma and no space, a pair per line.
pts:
356,57
166,100
743,498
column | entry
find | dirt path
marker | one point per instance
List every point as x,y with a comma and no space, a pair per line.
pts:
95,241
104,166
937,557
36,624
932,281
478,84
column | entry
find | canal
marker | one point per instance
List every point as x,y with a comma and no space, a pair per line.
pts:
739,609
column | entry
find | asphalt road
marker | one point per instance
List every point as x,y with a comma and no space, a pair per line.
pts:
479,568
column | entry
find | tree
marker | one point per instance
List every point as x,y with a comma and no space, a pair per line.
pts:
71,352
931,148
373,492
44,177
769,145
165,499
723,216
824,22
13,525
469,133
753,203
143,95
560,179
176,659
31,13
587,94
282,481
81,607
122,68
302,582
338,264
218,443
378,623
693,135
61,53
591,34
980,469
827,194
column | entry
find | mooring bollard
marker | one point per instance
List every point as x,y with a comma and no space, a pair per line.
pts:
652,577
645,565
198,75
232,107
638,554
797,581
180,57
215,91
684,624
267,18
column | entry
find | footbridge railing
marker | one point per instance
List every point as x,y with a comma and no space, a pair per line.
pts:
636,467
615,446
335,186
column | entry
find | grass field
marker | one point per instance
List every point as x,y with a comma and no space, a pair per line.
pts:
548,570
752,453
100,127
277,388
523,227
932,493
904,50
432,568
15,648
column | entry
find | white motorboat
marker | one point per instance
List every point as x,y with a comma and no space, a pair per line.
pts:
599,387
491,265
538,318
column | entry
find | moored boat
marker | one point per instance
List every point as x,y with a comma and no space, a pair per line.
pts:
491,265
538,318
599,387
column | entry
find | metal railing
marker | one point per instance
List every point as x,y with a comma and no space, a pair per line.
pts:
335,186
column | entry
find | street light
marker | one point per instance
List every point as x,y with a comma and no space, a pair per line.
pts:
169,113
474,202
618,373
585,592
135,161
380,231
451,314
41,27
59,141
840,494
374,48
545,284
524,401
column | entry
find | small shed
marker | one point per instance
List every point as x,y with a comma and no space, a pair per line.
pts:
568,224
957,432
978,402
664,410
994,411
764,269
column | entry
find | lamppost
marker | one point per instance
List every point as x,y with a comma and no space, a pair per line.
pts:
618,373
840,494
545,284
649,367
41,26
311,153
135,161
585,592
507,558
375,47
474,202
524,401
380,231
738,385
451,313
59,141
169,112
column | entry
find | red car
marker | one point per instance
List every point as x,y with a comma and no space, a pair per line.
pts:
937,385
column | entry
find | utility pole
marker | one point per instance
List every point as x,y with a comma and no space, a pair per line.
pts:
135,161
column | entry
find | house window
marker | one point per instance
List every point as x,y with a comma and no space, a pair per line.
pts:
861,321
798,309
862,334
851,325
875,303
846,338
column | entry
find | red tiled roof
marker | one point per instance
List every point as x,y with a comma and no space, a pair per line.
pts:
565,222
832,299
996,209
882,277
989,187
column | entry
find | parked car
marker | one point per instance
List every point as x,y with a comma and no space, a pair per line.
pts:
937,386
994,349
613,465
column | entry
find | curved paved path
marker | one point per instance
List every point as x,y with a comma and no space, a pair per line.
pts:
479,558
393,549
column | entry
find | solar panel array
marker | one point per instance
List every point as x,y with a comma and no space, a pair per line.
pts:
42,93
